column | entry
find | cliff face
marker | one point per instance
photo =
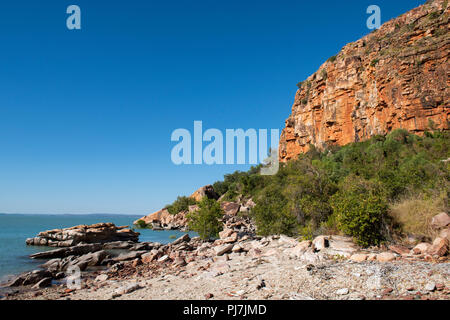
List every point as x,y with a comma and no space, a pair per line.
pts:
395,77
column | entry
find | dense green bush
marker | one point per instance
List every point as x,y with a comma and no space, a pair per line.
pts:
272,214
181,204
207,220
360,208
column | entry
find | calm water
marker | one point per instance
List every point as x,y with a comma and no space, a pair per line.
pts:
15,228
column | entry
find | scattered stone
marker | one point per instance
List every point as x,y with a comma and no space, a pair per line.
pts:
149,257
430,286
209,296
101,277
179,262
184,238
261,285
220,250
236,248
225,233
127,289
129,256
164,258
342,292
136,262
387,291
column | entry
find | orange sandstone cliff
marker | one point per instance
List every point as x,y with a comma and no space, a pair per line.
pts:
395,77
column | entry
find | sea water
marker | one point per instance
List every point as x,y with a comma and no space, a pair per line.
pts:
16,228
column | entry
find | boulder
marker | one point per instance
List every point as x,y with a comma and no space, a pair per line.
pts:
230,208
183,238
206,191
44,283
320,243
299,249
440,221
385,257
359,257
236,248
149,256
89,259
128,256
118,245
445,233
341,246
225,233
162,219
30,278
440,247
421,248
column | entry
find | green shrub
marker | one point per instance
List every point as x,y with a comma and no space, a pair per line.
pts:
206,221
181,204
272,214
433,15
332,59
374,62
360,208
141,224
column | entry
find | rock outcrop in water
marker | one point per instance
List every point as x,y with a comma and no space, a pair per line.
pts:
96,233
395,77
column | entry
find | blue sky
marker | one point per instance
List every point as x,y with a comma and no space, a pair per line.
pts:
86,115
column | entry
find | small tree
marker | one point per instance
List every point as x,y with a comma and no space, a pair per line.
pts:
359,208
206,221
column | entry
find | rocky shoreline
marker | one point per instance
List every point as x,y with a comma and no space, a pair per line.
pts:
241,265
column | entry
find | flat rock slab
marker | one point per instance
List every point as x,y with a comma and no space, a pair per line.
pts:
65,252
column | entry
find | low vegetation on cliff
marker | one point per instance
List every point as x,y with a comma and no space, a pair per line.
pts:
206,221
361,189
181,204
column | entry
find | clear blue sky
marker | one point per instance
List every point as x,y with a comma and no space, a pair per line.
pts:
86,116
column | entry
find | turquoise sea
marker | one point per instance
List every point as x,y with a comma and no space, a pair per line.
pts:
16,228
